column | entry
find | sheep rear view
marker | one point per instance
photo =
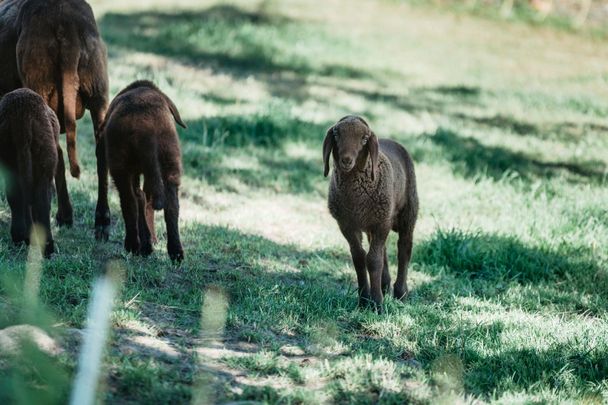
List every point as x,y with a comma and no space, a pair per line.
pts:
372,190
54,48
29,133
141,139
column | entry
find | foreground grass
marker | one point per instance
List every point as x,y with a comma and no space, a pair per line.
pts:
510,270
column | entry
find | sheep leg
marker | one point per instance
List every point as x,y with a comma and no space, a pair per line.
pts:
102,211
404,248
357,254
150,221
17,204
174,245
375,266
128,205
42,215
386,276
65,215
144,232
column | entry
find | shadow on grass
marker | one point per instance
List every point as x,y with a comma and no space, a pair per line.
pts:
479,273
231,151
229,39
490,266
471,158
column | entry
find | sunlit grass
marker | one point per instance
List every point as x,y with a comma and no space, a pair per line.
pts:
509,274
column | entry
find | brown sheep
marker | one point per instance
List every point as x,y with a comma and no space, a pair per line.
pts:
54,48
29,133
372,190
141,138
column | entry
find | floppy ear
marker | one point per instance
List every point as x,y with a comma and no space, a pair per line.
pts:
328,145
373,147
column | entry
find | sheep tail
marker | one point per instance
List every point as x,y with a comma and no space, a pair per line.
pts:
69,58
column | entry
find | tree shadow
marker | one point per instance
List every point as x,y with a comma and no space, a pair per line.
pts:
471,158
505,270
230,40
230,151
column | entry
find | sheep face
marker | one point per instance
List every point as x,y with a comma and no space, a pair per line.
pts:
350,142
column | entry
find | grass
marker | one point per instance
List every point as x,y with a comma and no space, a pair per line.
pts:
509,273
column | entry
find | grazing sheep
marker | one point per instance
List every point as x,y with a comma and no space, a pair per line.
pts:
372,190
140,138
29,150
54,48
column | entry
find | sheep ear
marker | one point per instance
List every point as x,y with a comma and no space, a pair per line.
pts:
373,153
328,145
174,111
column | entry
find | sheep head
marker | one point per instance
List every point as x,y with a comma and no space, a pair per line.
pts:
351,141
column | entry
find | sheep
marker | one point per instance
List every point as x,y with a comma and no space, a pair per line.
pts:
141,138
54,48
373,190
29,132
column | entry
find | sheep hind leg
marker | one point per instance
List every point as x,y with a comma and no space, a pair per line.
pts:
65,214
174,244
103,220
128,205
41,209
144,232
404,248
19,231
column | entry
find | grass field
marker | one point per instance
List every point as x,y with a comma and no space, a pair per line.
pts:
508,127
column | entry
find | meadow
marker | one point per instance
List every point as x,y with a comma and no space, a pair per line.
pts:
508,127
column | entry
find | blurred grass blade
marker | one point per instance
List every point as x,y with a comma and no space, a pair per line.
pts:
33,269
213,321
98,322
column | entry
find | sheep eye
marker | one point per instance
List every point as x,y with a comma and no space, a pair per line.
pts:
364,141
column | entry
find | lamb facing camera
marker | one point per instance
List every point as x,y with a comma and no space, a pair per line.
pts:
372,190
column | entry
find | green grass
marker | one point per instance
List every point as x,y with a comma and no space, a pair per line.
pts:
509,276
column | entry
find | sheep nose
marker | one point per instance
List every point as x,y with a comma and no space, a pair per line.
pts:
346,161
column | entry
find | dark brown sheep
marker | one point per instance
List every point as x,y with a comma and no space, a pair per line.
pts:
29,133
141,138
53,47
372,190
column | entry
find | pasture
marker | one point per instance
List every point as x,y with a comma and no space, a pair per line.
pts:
508,127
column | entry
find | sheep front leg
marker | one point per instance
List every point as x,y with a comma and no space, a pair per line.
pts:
386,276
174,245
128,205
357,254
375,266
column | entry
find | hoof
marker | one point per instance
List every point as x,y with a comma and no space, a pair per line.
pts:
64,219
20,240
401,294
386,289
132,246
365,302
49,249
177,256
158,203
75,171
146,249
102,232
102,225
